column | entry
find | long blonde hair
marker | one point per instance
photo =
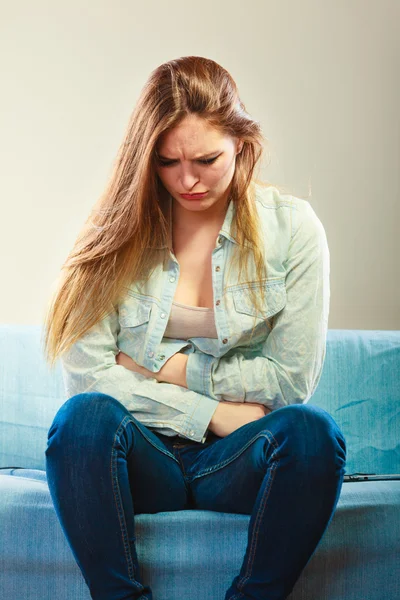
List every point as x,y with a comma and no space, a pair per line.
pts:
121,239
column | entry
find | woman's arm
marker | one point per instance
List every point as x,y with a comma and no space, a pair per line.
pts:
228,417
173,371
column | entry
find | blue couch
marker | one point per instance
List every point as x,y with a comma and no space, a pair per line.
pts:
194,554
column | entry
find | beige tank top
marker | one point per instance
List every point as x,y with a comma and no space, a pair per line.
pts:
190,321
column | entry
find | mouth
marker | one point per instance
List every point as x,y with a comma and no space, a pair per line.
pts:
193,196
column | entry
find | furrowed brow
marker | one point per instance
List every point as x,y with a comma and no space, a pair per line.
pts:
196,158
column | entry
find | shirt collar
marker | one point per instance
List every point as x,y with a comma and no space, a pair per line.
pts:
226,225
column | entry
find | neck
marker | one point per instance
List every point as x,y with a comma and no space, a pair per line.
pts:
192,222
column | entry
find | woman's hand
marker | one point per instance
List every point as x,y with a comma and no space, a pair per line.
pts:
229,416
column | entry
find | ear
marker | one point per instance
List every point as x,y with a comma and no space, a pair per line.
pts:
239,146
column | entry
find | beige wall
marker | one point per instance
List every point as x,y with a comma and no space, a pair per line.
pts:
321,76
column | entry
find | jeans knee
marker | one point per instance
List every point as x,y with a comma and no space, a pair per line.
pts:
327,439
85,412
311,432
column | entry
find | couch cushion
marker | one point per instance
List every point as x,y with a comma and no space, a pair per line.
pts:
30,395
357,557
360,388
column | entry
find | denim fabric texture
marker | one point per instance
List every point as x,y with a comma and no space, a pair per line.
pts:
104,467
280,366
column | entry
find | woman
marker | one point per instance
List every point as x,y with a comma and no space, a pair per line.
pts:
188,383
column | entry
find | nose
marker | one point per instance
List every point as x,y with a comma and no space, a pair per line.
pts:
188,178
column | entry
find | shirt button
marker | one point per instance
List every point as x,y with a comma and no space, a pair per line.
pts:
163,315
172,279
217,268
191,432
220,240
218,302
225,341
151,354
161,356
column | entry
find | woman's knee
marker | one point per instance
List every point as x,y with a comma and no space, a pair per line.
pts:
310,431
88,411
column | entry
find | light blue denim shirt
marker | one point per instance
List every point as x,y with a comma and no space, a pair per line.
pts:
281,365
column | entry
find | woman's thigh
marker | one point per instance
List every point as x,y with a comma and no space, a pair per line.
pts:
155,475
226,475
105,443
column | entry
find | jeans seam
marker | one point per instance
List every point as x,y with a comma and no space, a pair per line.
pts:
118,504
183,468
155,445
226,462
256,529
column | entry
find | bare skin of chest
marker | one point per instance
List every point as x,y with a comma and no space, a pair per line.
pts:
195,281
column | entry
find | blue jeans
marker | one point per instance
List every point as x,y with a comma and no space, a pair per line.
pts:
104,466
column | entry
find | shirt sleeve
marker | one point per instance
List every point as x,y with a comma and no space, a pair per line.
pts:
292,357
90,366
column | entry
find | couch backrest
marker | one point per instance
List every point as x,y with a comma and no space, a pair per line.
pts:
359,387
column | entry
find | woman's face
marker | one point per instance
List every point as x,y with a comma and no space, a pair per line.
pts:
195,158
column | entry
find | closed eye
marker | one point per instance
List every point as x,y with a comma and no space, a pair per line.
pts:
207,161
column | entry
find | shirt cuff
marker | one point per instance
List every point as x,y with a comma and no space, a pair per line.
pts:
198,373
198,422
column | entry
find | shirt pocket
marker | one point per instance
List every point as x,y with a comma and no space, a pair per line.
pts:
246,313
134,319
